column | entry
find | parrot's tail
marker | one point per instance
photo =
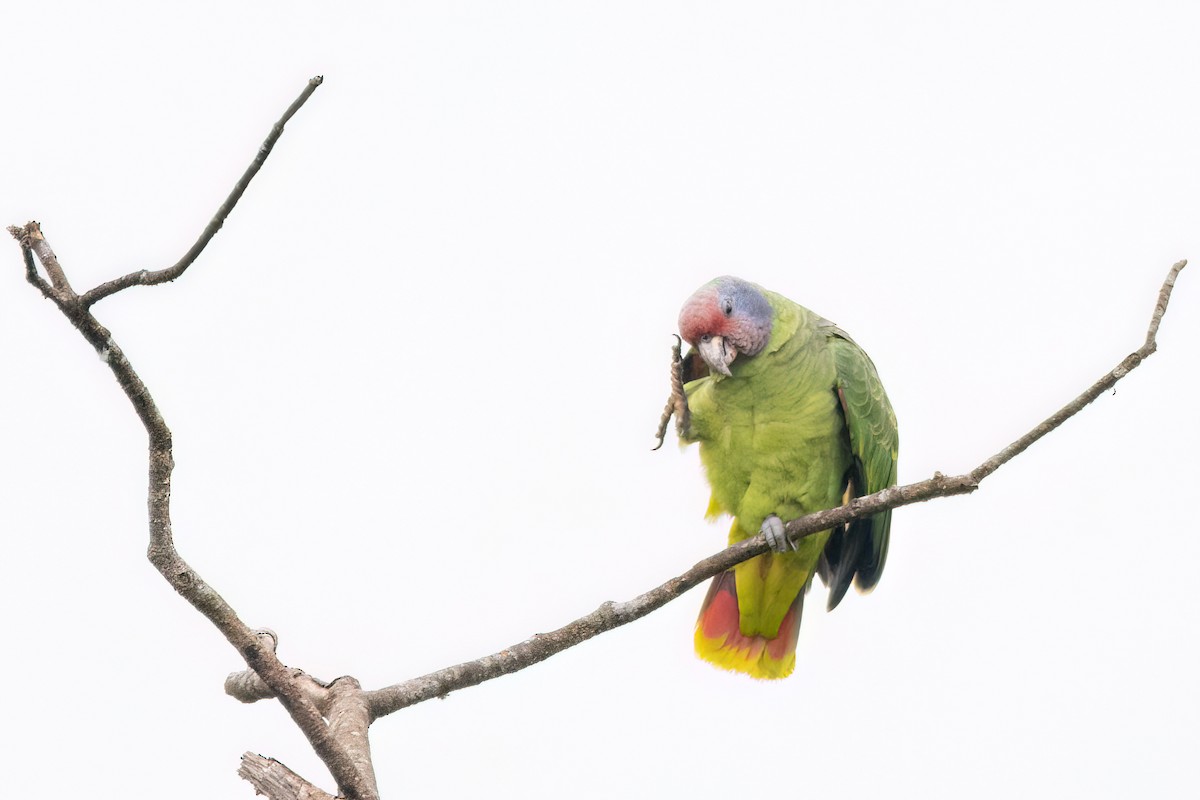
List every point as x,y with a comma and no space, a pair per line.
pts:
720,641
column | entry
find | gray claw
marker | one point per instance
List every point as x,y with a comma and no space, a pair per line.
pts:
772,528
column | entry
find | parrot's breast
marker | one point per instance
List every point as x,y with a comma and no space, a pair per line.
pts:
772,437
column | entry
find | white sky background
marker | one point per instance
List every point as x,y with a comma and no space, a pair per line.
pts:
413,384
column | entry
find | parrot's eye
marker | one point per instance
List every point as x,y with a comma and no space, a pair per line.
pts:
706,337
728,307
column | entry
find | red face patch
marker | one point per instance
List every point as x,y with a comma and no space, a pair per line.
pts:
701,315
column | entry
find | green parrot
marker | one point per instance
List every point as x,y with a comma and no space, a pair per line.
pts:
791,418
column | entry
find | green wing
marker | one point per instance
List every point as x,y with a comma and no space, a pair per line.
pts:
858,552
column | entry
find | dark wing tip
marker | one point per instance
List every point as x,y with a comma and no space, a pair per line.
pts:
871,568
843,560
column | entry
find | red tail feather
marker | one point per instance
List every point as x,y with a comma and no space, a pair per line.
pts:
720,641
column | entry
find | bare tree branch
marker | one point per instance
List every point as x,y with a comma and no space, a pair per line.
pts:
349,715
148,277
342,702
274,780
35,242
1130,362
248,687
167,560
613,615
259,656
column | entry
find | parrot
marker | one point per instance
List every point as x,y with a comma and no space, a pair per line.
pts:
791,418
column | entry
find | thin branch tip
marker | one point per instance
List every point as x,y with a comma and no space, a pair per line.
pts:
1160,308
145,277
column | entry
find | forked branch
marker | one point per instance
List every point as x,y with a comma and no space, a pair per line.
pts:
344,762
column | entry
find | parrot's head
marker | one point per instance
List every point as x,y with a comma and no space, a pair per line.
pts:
726,317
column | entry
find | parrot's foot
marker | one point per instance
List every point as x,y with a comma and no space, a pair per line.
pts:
772,528
677,402
661,435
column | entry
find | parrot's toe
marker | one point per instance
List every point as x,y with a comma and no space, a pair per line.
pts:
772,528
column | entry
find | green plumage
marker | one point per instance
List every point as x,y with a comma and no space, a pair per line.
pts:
802,426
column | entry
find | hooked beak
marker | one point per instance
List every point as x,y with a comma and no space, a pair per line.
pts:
717,353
